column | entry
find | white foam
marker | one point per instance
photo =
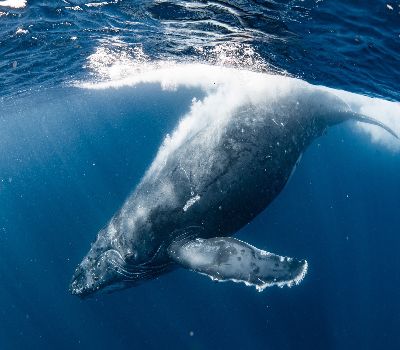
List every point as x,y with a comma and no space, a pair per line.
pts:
16,4
74,8
226,89
21,31
114,60
100,4
233,54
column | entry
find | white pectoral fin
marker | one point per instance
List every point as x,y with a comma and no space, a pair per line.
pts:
229,259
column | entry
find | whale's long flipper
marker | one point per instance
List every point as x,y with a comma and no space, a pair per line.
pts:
228,259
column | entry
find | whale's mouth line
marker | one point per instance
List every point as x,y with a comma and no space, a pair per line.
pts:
125,272
140,270
111,268
137,275
120,266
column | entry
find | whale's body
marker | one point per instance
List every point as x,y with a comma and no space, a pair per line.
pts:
204,187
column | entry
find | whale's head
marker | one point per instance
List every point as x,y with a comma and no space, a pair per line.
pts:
107,267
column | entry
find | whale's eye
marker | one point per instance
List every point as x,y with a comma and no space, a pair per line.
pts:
130,255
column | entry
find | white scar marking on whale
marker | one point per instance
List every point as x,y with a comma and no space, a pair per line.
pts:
190,202
111,230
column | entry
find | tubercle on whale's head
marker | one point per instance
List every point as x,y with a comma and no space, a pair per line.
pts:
104,269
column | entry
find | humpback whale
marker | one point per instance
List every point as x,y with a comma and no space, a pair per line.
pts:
208,180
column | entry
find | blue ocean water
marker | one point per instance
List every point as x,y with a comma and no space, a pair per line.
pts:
72,149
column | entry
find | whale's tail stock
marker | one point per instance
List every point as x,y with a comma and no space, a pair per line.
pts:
368,120
343,112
